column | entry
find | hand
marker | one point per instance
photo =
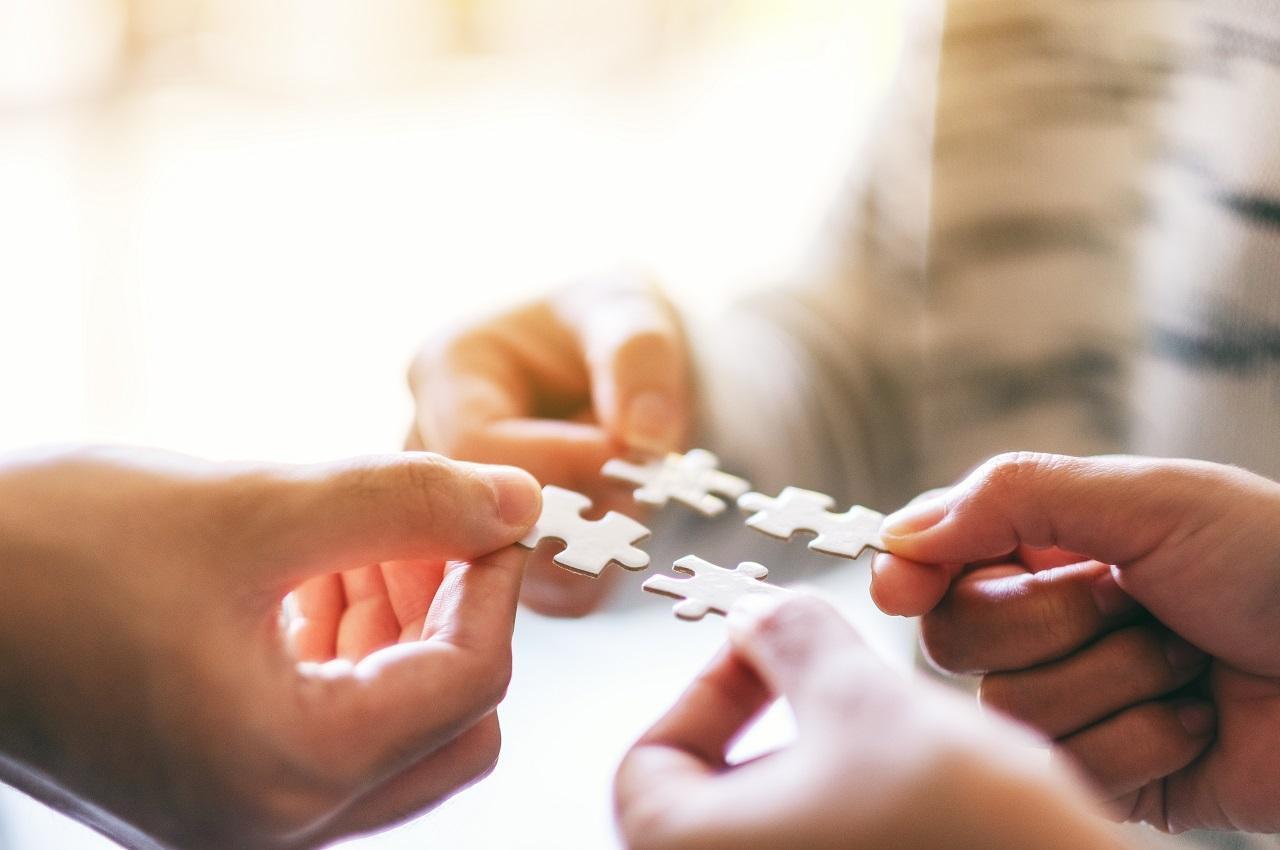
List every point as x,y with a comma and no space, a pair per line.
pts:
1160,675
880,760
558,387
145,687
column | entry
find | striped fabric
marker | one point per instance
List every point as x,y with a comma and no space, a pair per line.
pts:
1068,240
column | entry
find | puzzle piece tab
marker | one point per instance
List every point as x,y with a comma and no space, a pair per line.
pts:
794,510
589,545
692,479
711,588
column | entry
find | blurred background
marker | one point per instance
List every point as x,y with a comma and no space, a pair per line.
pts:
226,224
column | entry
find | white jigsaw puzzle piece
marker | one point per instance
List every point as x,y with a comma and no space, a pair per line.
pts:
589,545
711,588
693,479
795,509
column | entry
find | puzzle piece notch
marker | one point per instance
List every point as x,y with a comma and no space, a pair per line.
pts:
846,534
693,479
589,545
710,588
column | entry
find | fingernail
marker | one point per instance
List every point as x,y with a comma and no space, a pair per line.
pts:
1109,597
751,609
519,499
652,422
1198,718
914,518
1182,655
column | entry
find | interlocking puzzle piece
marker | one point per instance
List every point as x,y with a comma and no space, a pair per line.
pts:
711,588
589,545
692,479
845,534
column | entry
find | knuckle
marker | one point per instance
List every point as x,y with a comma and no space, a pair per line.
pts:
419,482
245,511
1149,726
1005,473
956,641
943,646
1138,657
492,679
1052,623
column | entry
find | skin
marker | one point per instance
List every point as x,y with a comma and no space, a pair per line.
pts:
879,760
1126,607
147,688
557,387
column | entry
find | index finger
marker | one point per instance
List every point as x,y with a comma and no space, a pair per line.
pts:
507,367
693,738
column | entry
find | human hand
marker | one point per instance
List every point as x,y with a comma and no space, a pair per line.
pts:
558,387
1160,675
880,760
145,686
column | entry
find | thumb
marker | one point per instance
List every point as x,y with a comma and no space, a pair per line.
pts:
1112,509
804,650
413,505
637,360
1193,542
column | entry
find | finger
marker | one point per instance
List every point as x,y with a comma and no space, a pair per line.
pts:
411,586
803,649
317,605
707,717
635,353
425,693
567,454
1141,744
906,588
690,741
1130,666
422,786
1036,560
382,508
369,622
524,363
1113,509
1004,618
